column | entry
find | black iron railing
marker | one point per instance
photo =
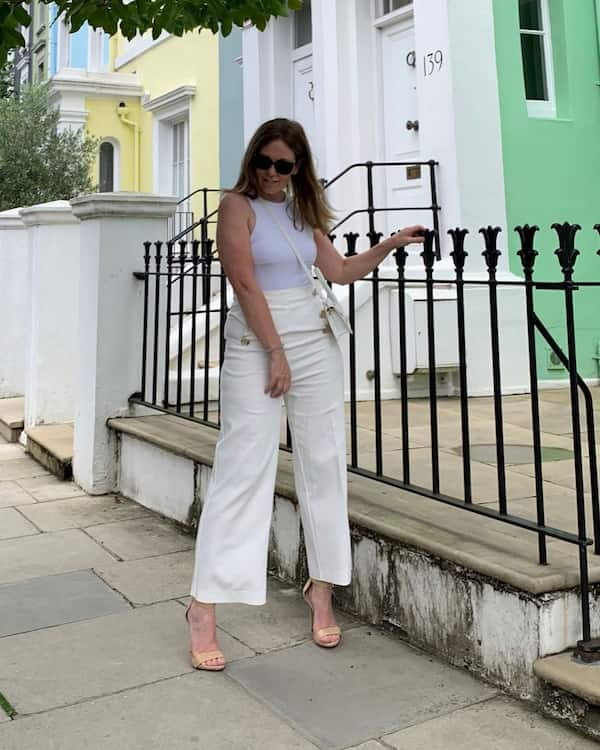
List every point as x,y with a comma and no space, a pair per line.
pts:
189,385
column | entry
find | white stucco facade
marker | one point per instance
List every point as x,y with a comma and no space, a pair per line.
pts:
414,85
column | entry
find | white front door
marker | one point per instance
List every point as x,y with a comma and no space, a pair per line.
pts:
304,99
406,186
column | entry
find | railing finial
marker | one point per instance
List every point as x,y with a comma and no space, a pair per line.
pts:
566,253
428,254
374,238
458,254
351,239
491,252
527,253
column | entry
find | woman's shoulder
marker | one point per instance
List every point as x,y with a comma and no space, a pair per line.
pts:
232,201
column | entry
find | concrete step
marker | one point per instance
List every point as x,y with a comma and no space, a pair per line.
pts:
52,446
12,411
570,691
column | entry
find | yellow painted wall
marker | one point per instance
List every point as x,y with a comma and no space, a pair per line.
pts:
104,122
190,60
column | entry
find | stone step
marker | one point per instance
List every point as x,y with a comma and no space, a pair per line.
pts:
52,446
570,691
12,411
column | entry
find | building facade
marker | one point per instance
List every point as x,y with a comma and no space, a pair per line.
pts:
502,94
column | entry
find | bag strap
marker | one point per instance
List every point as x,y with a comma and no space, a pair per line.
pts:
318,283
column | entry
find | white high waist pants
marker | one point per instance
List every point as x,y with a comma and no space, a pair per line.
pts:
233,534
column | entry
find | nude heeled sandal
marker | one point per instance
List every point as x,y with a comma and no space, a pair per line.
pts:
200,658
322,632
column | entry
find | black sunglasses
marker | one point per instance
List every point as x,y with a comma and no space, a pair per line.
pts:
282,166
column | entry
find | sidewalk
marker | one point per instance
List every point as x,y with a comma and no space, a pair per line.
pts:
94,652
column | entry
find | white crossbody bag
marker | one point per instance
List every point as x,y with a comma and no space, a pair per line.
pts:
334,312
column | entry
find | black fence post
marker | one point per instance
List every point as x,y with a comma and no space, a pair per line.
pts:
459,256
195,262
528,254
206,273
567,255
351,239
400,256
491,255
147,246
429,258
168,323
374,238
158,258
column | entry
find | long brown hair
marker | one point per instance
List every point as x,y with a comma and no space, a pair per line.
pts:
308,202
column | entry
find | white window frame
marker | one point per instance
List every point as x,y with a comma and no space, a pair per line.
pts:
546,108
382,19
168,110
64,45
116,162
176,163
95,45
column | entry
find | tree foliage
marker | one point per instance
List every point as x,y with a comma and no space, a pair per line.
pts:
37,163
139,16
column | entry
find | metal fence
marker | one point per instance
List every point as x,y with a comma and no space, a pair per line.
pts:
185,300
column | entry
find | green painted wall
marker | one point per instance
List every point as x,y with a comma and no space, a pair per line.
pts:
552,166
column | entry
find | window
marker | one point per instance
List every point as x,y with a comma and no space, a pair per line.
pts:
180,161
536,51
40,71
389,6
303,25
107,167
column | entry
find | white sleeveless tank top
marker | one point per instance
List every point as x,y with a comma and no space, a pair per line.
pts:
275,265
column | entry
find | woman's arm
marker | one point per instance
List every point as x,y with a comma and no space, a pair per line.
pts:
233,242
342,270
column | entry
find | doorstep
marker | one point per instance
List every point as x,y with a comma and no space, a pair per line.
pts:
12,411
51,445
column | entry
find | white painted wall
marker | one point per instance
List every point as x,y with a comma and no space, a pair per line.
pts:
53,295
459,117
109,337
14,303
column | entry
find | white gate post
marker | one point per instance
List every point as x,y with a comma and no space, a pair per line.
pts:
14,300
113,229
53,238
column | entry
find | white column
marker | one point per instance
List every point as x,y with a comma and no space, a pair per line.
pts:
459,112
109,340
53,269
14,301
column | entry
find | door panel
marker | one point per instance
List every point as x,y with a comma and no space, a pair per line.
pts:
404,186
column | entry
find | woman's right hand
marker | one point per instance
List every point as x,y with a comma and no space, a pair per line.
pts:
280,377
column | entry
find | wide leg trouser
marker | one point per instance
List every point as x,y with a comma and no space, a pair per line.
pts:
233,534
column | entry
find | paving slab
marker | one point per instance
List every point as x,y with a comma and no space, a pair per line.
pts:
371,685
55,600
10,451
559,472
193,712
484,477
12,524
12,495
79,512
142,537
499,724
21,468
152,579
370,745
83,660
48,554
282,621
50,488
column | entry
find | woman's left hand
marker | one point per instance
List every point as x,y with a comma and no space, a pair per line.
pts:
406,236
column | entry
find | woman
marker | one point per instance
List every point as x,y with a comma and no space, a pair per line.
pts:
278,348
